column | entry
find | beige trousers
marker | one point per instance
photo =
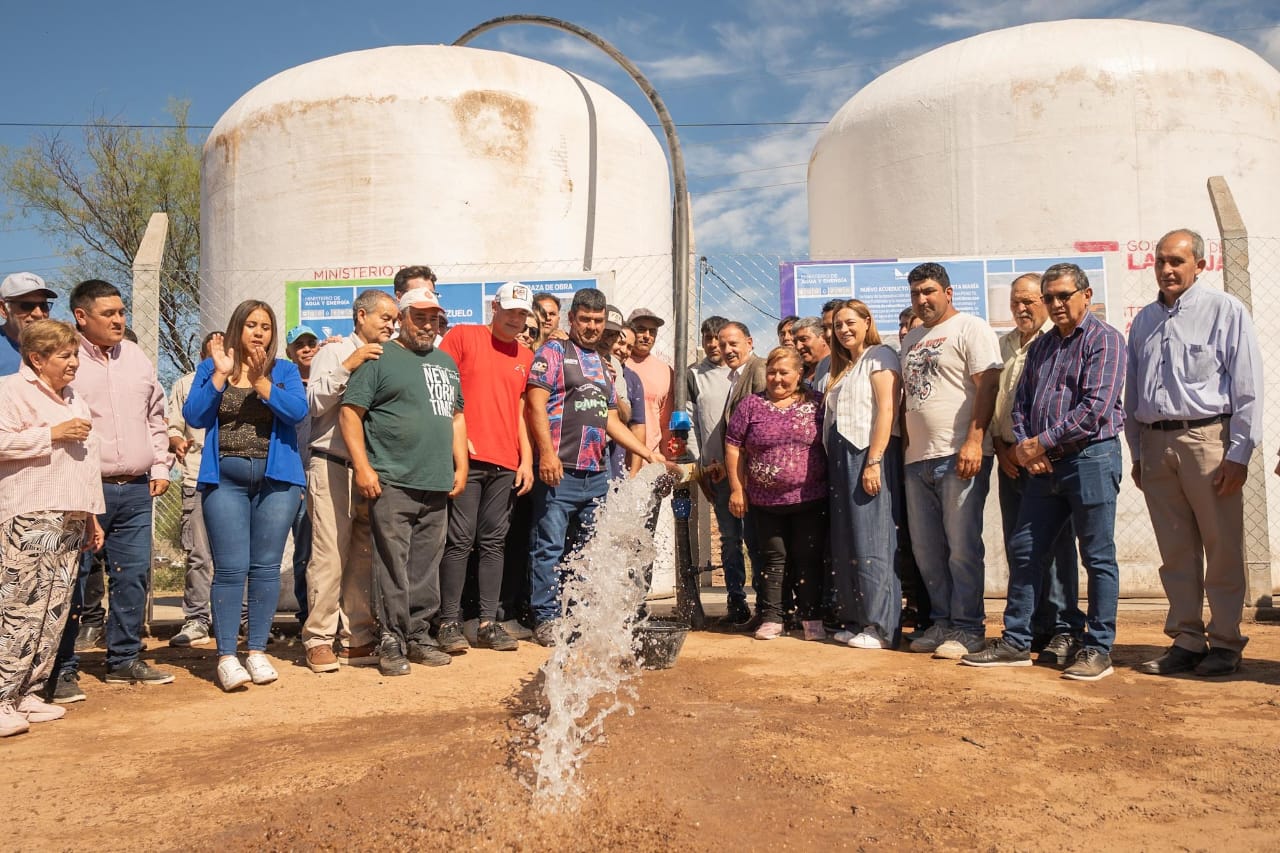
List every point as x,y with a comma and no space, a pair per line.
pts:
339,580
1201,535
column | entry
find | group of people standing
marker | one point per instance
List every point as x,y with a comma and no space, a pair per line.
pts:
400,456
846,469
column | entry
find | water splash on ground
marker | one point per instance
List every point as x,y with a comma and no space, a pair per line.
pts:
586,677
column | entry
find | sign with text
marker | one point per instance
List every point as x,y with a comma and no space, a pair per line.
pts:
979,286
326,306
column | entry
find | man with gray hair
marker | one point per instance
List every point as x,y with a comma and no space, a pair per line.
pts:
338,575
814,349
1193,402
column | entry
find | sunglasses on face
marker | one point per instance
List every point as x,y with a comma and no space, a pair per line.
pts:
531,331
24,305
1051,298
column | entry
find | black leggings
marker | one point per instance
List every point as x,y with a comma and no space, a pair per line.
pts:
797,533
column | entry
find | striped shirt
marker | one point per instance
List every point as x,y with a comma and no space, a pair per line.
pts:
35,473
1069,395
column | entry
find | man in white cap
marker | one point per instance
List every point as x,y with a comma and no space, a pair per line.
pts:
494,369
655,375
401,419
24,298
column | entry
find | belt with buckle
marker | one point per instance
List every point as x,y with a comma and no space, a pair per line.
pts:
125,479
331,457
1198,422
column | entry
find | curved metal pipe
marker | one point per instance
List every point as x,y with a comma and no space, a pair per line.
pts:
680,217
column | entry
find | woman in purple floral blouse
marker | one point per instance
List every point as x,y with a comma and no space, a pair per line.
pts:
778,473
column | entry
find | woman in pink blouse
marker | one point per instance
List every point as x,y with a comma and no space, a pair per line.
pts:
50,494
778,468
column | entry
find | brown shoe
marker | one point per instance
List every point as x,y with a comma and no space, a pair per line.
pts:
322,659
366,655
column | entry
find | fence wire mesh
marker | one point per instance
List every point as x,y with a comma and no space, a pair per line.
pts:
744,287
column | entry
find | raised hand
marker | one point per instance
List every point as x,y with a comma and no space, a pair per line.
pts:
223,359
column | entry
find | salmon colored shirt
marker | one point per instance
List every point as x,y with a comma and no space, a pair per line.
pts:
656,376
35,473
127,403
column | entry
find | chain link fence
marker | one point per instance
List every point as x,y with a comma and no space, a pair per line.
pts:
744,287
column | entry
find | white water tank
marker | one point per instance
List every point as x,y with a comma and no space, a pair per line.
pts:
1044,135
1060,138
482,164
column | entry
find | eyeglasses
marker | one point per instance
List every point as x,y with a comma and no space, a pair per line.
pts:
24,305
531,331
1064,298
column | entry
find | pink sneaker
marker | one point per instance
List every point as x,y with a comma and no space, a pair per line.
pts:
37,711
769,631
813,630
11,722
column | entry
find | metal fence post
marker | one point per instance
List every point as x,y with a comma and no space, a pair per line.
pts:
1235,281
147,264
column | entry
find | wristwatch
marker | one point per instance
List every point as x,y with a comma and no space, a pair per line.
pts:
875,461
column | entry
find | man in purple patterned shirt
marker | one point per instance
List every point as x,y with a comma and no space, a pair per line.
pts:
571,408
1067,419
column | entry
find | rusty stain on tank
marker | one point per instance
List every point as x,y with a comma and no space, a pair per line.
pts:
495,124
277,114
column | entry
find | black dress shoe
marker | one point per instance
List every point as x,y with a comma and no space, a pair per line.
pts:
1219,662
1176,659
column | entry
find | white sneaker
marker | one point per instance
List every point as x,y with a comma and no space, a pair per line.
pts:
231,674
867,640
11,722
260,669
958,644
39,711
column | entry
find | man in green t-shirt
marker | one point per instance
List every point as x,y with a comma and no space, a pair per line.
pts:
402,422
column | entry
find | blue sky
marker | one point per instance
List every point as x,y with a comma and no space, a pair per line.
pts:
748,62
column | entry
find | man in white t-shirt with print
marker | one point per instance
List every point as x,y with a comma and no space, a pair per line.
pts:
950,372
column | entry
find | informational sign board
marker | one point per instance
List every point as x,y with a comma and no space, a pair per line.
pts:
326,306
979,286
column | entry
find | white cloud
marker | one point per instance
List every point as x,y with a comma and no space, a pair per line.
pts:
1268,46
688,66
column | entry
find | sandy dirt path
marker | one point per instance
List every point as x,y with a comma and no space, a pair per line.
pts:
743,745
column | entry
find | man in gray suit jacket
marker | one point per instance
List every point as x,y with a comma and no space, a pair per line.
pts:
747,376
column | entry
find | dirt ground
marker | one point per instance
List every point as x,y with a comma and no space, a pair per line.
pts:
743,745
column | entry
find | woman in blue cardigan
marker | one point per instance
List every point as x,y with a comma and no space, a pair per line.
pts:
251,479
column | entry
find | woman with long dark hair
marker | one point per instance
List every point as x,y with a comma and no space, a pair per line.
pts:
864,455
251,477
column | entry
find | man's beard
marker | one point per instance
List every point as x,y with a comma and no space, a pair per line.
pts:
420,345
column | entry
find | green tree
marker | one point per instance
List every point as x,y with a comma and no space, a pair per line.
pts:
95,201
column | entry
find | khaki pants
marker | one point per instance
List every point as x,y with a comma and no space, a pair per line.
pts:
1200,535
339,585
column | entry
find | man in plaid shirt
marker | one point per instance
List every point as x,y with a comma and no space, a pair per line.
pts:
1067,419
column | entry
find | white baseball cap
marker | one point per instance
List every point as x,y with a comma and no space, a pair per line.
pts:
419,297
24,283
513,294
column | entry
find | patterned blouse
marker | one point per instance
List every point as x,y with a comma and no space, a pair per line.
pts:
786,463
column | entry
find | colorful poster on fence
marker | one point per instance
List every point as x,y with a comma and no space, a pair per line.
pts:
979,286
326,306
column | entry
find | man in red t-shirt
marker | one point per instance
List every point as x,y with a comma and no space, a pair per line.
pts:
494,369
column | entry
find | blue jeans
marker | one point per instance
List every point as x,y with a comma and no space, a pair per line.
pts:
734,534
1057,607
301,528
864,537
127,524
562,520
946,537
1081,489
248,516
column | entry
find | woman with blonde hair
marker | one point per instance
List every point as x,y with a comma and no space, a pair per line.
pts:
249,403
778,470
864,454
50,495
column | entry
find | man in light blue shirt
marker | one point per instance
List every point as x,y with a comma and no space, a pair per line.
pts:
1193,416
